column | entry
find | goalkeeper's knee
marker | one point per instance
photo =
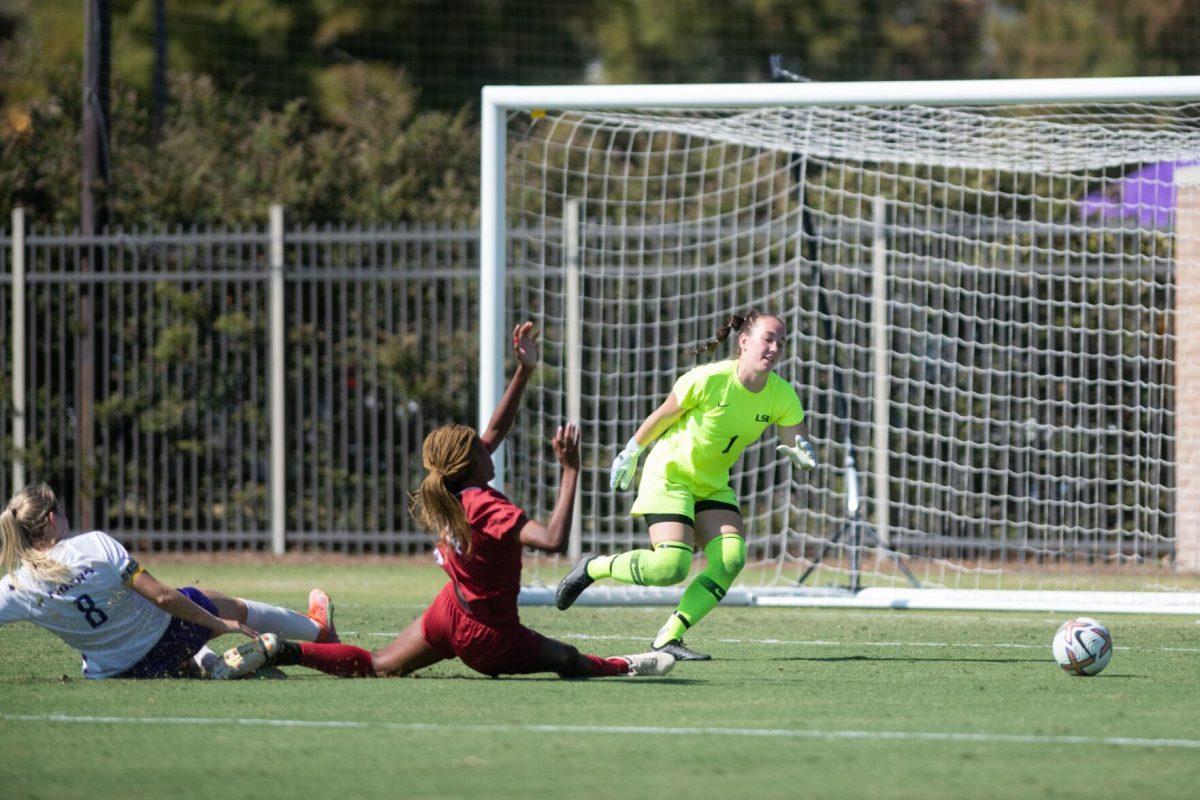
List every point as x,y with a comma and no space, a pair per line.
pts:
666,565
726,557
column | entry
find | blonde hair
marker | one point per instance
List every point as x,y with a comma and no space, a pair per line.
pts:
446,455
743,323
23,521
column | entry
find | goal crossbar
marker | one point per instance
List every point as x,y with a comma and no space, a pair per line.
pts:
869,93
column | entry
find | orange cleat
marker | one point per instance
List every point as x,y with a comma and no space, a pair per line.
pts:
320,611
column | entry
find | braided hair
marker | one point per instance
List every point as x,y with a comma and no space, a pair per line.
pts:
734,323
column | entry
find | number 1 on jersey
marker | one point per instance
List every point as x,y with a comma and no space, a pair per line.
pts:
732,439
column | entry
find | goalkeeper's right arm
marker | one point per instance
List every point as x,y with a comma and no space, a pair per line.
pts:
625,465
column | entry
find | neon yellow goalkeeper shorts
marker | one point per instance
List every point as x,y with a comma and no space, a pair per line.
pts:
659,496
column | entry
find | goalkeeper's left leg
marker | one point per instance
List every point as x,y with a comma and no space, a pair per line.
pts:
726,556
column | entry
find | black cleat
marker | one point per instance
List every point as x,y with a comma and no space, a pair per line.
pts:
682,653
570,587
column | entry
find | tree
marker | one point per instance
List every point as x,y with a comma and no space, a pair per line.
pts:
220,160
272,51
695,41
1039,38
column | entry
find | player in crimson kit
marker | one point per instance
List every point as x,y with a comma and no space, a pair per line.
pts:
480,539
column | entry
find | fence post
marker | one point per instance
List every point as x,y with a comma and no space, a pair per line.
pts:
571,241
880,349
276,397
18,348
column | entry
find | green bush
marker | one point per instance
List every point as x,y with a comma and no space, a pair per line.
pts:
220,160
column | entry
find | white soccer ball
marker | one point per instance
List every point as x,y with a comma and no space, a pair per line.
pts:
1082,646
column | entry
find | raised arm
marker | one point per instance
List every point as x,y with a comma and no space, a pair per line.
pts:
525,348
552,537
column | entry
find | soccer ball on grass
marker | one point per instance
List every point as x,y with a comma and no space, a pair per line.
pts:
1082,646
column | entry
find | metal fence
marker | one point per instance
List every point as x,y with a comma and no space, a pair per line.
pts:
377,330
377,344
170,342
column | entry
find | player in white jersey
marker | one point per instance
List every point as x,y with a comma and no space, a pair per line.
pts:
90,593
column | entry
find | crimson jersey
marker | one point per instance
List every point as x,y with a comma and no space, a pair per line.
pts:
489,578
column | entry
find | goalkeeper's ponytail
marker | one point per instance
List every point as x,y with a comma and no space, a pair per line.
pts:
734,323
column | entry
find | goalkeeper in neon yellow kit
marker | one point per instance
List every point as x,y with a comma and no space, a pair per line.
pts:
713,412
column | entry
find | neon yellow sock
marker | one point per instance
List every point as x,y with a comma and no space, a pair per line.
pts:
726,556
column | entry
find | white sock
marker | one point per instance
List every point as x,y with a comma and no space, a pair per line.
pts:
266,618
206,659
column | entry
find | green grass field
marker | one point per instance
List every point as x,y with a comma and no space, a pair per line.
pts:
799,703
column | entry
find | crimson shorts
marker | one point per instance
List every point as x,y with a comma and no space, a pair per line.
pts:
493,650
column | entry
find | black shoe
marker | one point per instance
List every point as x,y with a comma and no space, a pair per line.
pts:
676,648
570,587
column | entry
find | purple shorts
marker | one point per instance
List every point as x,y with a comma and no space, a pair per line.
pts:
179,642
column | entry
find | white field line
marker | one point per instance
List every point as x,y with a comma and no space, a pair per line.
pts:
820,642
619,730
897,616
901,616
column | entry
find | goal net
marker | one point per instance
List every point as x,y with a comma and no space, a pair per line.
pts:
987,310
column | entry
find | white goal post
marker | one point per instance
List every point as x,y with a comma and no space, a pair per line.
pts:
992,292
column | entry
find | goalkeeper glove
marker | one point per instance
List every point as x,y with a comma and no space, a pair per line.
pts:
802,455
624,466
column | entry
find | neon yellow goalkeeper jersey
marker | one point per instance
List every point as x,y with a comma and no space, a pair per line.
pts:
721,417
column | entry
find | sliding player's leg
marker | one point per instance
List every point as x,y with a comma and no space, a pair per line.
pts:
316,626
427,640
721,529
183,648
526,651
406,653
518,650
172,656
